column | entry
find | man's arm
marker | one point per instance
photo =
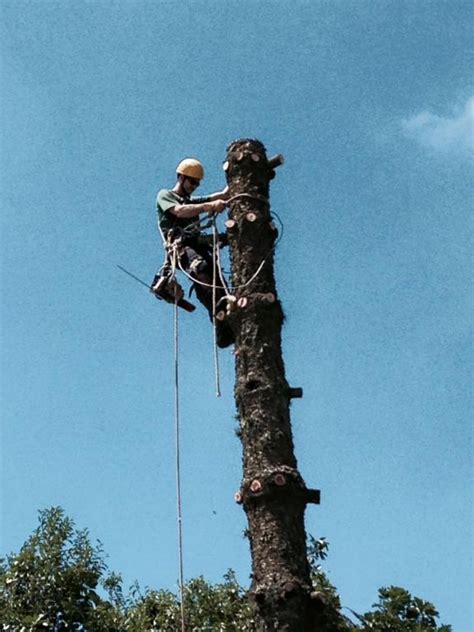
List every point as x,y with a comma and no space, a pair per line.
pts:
168,202
193,210
220,195
214,203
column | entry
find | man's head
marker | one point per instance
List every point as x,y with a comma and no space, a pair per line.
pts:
190,172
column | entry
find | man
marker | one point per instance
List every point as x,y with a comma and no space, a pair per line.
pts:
178,214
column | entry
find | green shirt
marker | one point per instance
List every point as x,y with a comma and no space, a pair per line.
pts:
165,201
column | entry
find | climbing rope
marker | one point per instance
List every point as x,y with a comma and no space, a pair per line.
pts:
230,291
253,196
179,514
215,247
198,226
217,255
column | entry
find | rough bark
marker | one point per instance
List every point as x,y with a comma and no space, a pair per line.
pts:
273,493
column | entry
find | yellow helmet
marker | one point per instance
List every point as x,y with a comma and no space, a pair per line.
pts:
191,167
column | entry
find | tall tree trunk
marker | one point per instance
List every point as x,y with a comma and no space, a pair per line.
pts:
273,493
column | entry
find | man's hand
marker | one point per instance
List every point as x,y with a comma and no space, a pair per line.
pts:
216,207
193,210
225,193
221,195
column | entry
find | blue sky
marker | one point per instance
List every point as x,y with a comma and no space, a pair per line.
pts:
371,105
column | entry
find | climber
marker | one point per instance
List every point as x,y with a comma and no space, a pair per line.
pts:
178,223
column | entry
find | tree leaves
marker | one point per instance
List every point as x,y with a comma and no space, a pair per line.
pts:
54,583
398,610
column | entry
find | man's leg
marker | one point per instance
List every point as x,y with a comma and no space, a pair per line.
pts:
198,264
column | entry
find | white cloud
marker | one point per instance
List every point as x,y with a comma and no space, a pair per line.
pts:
443,133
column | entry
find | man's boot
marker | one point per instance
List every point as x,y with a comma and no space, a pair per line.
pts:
224,334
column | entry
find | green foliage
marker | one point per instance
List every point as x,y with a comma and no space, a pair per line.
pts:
52,582
59,582
329,617
318,550
398,611
207,608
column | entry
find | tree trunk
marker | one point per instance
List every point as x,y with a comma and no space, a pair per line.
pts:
273,493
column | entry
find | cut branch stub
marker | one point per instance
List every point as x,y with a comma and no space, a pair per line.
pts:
276,161
255,486
288,587
220,316
279,479
230,223
313,496
295,392
257,298
271,484
250,217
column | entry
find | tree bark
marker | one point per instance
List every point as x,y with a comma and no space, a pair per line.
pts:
273,493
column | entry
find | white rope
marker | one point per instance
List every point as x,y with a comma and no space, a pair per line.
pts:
252,278
259,269
253,196
179,514
219,267
228,291
215,248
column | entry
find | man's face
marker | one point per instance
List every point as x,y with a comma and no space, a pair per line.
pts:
190,184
